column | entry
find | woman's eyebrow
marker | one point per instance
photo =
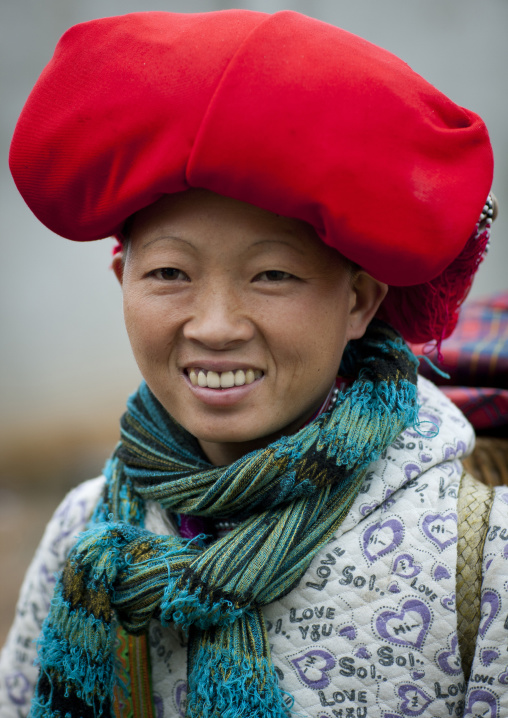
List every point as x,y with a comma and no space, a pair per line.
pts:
291,245
172,237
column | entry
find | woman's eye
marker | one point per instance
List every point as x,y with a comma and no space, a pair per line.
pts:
274,275
169,274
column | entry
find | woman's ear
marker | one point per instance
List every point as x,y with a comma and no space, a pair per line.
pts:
117,265
367,295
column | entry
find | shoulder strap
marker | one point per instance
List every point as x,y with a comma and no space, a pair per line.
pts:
473,509
133,692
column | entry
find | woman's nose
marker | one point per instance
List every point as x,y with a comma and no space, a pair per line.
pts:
219,320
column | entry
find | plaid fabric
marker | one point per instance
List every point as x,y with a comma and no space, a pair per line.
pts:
476,358
485,408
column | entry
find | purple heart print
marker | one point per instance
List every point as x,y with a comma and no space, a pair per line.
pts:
382,537
441,529
487,656
451,453
414,700
412,470
181,697
312,667
490,606
19,689
405,567
441,572
348,632
481,703
449,660
407,627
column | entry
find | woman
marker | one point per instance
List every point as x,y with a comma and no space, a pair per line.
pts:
270,536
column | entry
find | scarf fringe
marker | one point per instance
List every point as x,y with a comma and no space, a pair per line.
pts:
360,428
40,710
184,607
83,650
225,685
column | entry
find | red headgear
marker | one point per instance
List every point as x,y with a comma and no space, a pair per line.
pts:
283,111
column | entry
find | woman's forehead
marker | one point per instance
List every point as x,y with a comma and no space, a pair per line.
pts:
219,231
199,215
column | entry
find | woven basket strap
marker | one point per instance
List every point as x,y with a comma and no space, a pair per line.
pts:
474,504
133,693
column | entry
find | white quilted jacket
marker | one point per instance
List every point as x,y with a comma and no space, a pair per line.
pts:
370,632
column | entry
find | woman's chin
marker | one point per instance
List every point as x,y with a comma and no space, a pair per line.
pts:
227,446
235,438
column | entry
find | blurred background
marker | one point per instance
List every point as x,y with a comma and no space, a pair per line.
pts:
66,367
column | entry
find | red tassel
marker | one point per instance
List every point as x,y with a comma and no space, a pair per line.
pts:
429,312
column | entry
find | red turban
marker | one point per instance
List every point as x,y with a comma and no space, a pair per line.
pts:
283,111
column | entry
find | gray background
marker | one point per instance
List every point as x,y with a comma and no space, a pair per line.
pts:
66,367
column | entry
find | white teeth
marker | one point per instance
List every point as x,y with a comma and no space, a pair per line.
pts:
227,379
239,377
223,380
213,380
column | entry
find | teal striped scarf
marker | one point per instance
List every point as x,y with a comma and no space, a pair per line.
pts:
291,497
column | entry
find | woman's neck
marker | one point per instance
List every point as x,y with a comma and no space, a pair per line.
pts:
225,453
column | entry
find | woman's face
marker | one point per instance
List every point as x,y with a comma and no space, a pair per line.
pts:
237,317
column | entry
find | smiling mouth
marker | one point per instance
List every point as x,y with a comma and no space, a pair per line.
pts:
224,379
